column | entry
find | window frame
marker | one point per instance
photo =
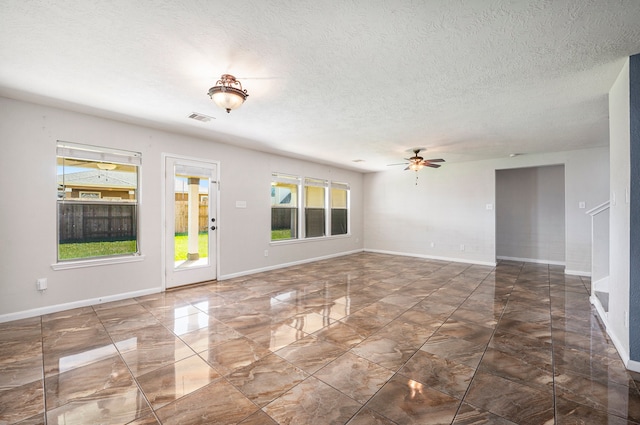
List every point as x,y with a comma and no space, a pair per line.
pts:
98,154
292,180
324,184
347,189
327,184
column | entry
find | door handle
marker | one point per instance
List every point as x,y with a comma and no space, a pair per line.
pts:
213,227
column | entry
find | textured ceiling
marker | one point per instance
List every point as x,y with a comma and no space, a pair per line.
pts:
334,81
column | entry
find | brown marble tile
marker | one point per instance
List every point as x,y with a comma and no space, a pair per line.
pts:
455,349
409,402
309,321
39,419
122,406
539,331
466,330
384,310
22,403
312,402
513,401
248,323
75,347
213,334
438,373
89,382
266,379
234,354
526,349
616,399
533,373
598,368
19,369
145,420
310,353
149,348
366,322
169,383
258,418
187,323
64,325
469,415
216,403
126,317
570,413
354,376
276,336
369,417
341,335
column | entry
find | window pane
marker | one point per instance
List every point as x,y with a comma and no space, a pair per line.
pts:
314,211
339,212
97,207
284,211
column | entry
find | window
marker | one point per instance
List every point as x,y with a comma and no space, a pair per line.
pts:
284,206
97,201
311,207
315,202
339,208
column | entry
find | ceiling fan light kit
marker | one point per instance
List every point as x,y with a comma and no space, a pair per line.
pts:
417,163
228,93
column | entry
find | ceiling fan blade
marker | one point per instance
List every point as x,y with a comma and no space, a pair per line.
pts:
400,163
433,165
406,169
434,160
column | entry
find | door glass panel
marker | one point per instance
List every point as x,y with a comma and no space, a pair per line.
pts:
191,239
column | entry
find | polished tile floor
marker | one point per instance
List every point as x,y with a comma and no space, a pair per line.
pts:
361,339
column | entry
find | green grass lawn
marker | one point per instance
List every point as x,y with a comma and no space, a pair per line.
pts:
73,251
182,245
277,235
70,251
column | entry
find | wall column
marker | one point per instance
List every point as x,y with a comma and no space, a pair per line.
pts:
634,206
193,218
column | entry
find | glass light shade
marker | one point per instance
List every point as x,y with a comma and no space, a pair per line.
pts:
227,98
415,166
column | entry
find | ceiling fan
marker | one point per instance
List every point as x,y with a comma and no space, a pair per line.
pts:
416,162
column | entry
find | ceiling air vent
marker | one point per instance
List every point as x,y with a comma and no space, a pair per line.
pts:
200,117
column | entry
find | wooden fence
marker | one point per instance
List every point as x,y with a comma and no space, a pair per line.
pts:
182,217
96,222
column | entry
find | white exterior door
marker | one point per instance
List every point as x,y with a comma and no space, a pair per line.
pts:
191,199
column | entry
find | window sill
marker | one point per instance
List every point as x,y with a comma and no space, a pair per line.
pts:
304,240
66,265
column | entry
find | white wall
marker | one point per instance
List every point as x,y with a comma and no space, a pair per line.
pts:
619,122
530,214
28,210
449,207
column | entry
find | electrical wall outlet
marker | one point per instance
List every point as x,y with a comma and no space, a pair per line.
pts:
461,247
266,252
41,284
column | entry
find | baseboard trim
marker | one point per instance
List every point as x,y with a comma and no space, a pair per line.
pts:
75,304
433,257
531,260
283,265
600,310
577,273
633,365
624,354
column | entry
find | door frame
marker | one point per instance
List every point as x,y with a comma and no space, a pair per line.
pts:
163,213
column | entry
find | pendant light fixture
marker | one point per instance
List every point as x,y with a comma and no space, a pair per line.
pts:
228,93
